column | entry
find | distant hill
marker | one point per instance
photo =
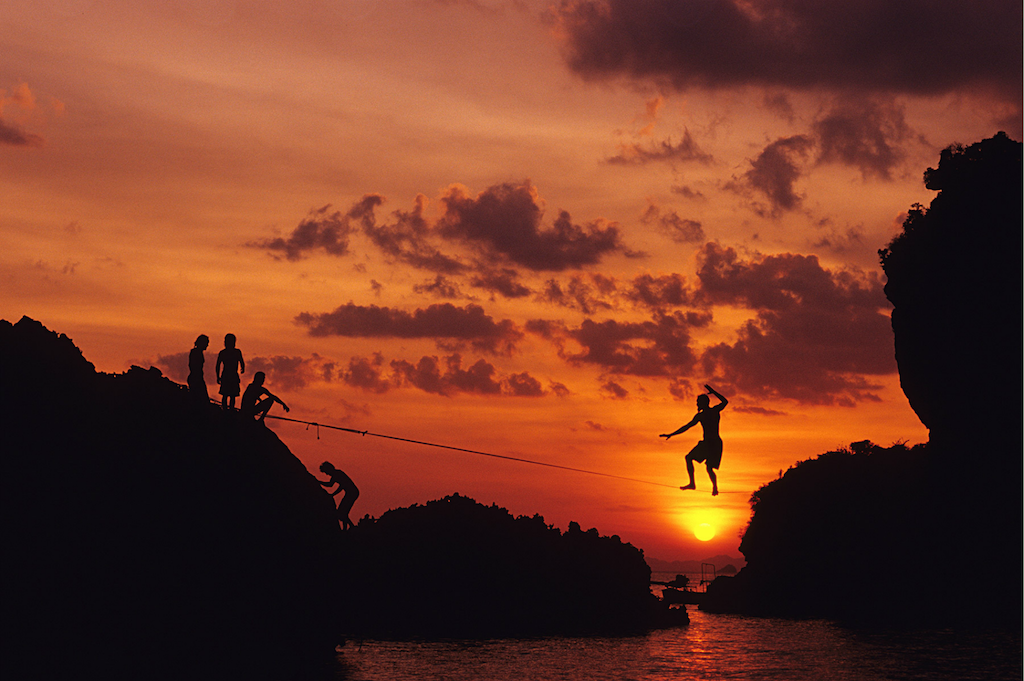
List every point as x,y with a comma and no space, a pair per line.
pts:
881,534
721,563
454,567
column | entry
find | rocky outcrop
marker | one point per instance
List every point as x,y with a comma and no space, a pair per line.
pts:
146,536
881,535
454,567
954,279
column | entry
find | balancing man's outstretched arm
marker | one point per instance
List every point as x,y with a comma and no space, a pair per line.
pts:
682,429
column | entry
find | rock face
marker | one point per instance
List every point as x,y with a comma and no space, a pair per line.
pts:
954,279
149,537
454,567
883,535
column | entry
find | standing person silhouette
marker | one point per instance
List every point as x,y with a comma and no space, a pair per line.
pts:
252,405
196,381
345,484
709,449
230,358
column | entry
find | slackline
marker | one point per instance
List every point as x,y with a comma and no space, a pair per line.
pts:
469,451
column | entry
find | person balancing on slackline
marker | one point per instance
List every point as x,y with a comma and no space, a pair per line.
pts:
708,450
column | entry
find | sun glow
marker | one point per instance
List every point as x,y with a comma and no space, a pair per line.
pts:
704,532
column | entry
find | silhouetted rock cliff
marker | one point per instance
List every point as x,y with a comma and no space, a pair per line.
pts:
454,567
882,535
955,281
147,537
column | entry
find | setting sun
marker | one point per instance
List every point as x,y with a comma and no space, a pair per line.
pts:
704,532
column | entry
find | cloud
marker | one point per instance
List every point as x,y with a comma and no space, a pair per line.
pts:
366,373
775,172
614,390
23,99
577,294
438,376
667,290
408,239
16,137
504,281
688,192
816,332
440,287
863,133
174,366
291,373
443,323
924,47
504,223
680,230
659,347
664,151
323,229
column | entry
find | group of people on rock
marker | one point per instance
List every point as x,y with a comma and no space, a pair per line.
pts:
256,403
256,400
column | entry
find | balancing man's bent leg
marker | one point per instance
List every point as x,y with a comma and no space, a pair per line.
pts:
714,481
689,470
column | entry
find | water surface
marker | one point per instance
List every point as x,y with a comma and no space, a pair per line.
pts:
713,647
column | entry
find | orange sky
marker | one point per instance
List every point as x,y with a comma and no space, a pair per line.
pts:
529,228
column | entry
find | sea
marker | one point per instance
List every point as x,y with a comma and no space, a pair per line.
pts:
711,648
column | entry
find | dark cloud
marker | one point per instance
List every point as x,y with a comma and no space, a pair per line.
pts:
664,151
290,373
850,240
522,385
450,378
576,294
915,46
668,290
504,281
174,366
504,222
323,229
440,287
816,333
659,347
863,133
680,230
443,323
614,390
16,137
408,238
775,172
687,192
366,373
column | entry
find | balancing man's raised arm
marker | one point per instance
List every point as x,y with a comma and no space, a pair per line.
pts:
718,395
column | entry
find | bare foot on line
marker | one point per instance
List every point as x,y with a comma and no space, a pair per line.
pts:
690,486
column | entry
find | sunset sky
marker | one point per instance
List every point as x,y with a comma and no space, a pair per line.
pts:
524,227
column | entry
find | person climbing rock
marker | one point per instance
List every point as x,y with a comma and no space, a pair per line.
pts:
345,485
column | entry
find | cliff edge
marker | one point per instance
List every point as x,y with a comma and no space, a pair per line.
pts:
146,536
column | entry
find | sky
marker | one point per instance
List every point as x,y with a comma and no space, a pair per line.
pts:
529,228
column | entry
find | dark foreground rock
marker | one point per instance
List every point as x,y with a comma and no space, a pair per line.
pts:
454,567
147,537
932,534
